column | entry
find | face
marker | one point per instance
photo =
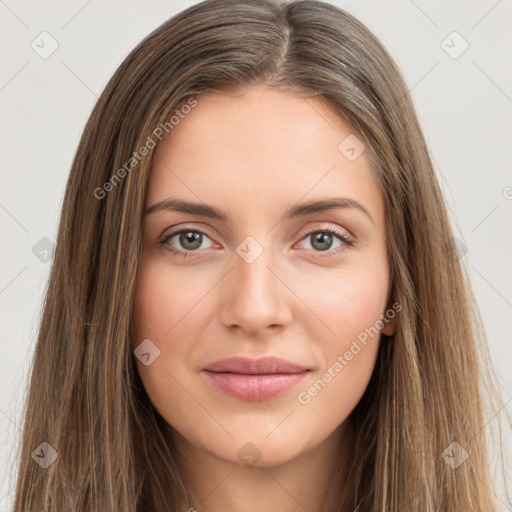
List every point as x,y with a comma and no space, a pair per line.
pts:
249,275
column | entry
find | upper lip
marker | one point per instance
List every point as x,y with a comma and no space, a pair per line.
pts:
248,366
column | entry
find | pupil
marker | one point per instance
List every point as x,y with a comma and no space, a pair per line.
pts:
189,238
323,238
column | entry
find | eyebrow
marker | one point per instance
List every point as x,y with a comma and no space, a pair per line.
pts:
297,210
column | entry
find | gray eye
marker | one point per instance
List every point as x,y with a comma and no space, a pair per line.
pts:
190,240
322,240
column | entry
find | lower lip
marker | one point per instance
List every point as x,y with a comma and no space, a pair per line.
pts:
254,387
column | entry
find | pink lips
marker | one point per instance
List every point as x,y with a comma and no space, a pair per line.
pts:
254,379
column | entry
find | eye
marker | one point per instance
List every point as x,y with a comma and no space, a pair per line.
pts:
322,240
189,239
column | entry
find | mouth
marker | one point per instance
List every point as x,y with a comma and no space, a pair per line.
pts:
254,379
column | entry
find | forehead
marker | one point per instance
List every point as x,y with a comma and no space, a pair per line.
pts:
258,148
264,122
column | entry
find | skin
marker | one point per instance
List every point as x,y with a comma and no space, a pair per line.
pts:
253,155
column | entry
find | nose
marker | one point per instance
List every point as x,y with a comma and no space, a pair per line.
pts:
255,297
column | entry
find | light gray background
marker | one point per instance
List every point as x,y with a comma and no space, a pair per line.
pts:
464,104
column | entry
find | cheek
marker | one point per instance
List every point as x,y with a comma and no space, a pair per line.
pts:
348,359
154,313
350,307
168,311
166,301
345,303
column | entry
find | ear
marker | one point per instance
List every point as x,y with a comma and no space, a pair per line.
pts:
391,325
390,328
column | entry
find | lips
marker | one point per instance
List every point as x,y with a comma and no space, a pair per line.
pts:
246,366
254,379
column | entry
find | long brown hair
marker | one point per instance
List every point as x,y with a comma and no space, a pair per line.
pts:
85,397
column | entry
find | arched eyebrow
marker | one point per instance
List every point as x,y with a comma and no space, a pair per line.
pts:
296,210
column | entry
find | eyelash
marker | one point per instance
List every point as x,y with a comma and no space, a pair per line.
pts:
164,242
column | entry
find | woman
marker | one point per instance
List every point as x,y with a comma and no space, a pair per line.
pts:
316,347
